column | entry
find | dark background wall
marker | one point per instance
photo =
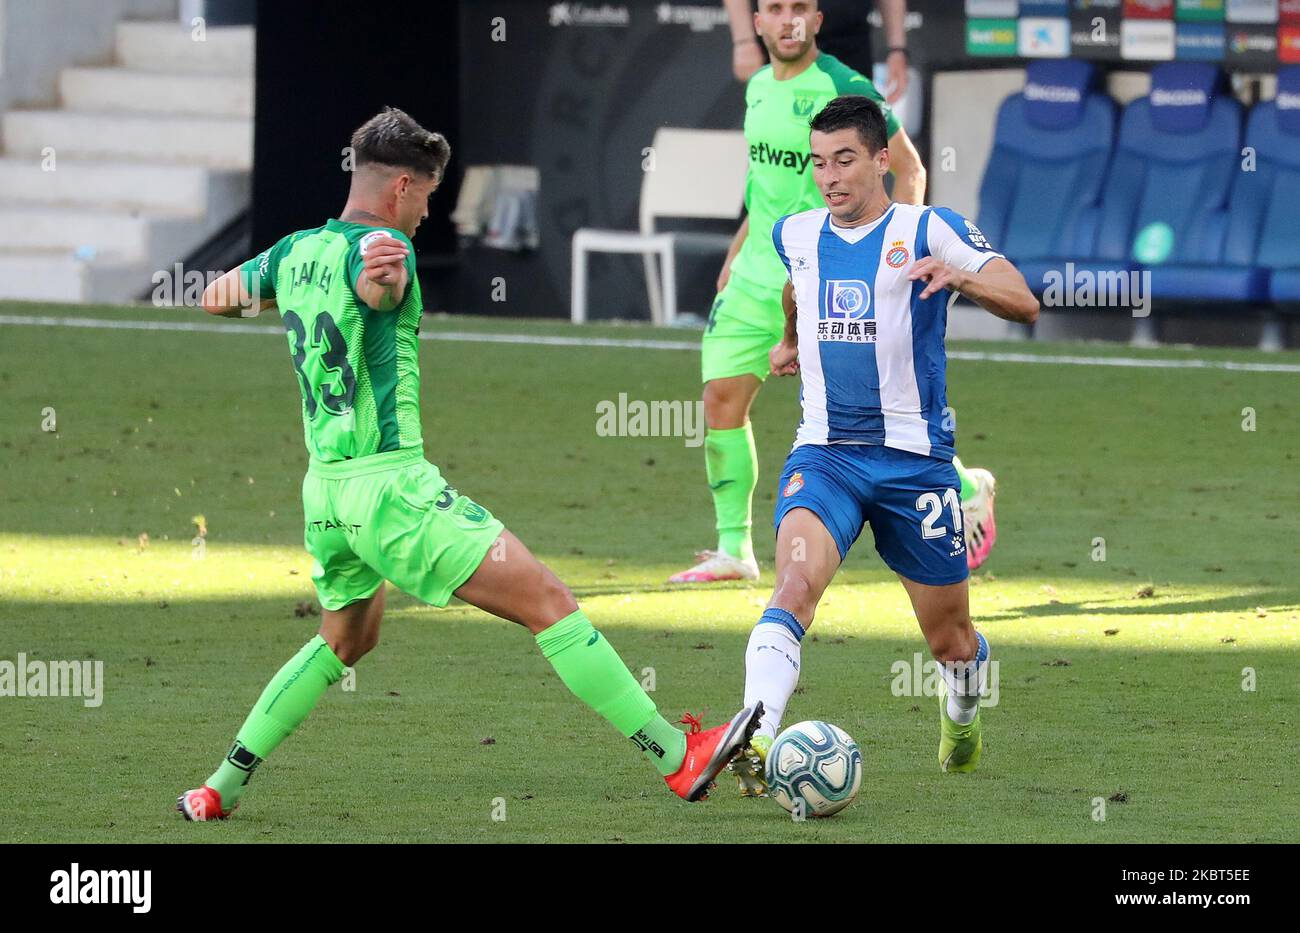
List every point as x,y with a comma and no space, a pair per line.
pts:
323,68
578,100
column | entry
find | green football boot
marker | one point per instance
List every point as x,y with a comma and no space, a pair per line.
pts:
959,746
750,768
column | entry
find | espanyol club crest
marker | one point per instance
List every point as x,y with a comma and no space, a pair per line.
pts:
793,486
897,256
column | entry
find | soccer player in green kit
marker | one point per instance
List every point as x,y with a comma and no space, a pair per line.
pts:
746,320
375,509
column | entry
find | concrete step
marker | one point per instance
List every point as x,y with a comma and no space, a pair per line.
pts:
27,275
175,189
217,142
120,236
35,276
173,47
123,89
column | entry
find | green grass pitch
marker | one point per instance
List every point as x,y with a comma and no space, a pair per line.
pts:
1163,679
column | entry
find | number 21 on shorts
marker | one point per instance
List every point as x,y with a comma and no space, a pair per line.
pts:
932,505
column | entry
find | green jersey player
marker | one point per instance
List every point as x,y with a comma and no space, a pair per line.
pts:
746,319
375,509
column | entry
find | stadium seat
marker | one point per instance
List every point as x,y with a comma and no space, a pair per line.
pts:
1176,158
696,174
1264,228
1043,180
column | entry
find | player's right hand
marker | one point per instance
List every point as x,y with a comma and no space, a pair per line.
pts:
385,259
746,58
784,359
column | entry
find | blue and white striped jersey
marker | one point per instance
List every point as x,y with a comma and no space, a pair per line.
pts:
871,352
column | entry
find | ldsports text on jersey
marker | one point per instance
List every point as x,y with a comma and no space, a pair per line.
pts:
871,352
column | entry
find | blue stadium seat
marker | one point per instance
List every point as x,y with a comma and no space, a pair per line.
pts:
1264,228
1175,162
1043,180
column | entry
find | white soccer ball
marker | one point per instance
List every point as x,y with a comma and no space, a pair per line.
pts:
814,769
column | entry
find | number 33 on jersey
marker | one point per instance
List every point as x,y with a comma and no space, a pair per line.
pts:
357,368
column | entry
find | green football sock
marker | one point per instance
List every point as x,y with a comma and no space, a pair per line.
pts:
731,463
593,671
285,703
967,481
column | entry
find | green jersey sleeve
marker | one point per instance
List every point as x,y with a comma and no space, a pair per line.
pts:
848,81
257,275
356,261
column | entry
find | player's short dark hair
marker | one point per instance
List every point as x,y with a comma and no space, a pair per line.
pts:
392,138
853,111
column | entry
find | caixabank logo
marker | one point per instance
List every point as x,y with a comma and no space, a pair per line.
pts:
584,14
1044,37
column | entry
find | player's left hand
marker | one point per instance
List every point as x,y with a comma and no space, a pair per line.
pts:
937,275
784,359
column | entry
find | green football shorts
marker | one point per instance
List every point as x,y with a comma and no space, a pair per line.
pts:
742,330
391,516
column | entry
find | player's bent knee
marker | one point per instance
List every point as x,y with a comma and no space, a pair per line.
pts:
352,649
954,644
558,597
796,593
552,601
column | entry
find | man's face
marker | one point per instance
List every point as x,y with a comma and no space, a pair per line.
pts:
848,176
413,193
787,27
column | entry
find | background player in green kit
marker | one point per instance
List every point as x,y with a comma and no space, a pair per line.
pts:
375,509
746,319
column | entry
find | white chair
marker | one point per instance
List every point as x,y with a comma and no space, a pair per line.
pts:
694,174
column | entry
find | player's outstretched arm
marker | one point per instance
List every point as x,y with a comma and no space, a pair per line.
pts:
229,296
998,287
905,165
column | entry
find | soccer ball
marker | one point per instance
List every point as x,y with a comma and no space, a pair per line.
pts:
814,769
